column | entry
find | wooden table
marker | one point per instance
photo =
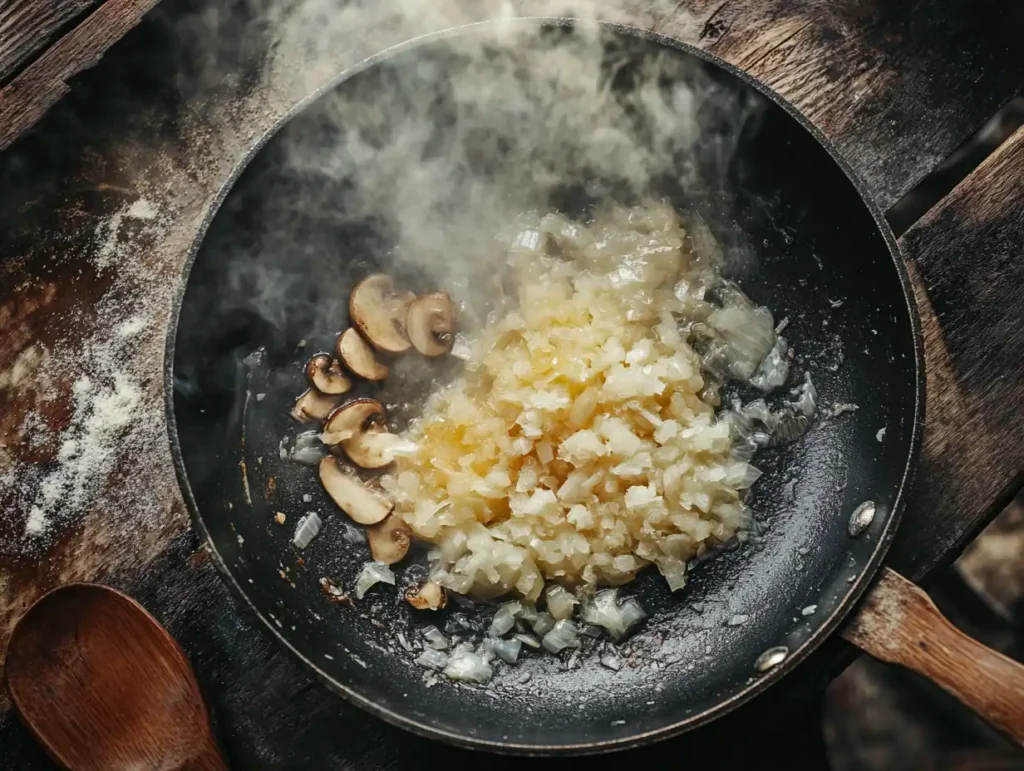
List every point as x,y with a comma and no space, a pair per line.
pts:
101,200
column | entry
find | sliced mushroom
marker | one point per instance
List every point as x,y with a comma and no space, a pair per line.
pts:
363,505
358,356
313,406
431,324
427,596
379,313
353,418
326,376
389,541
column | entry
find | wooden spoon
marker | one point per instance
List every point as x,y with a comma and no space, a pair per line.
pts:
104,687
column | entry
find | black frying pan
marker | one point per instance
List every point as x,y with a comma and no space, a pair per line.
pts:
297,227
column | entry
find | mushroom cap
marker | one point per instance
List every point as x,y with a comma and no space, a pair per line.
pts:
363,505
313,405
356,354
389,540
352,418
430,324
379,313
325,375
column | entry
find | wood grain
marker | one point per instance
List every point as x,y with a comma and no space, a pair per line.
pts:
25,99
965,260
875,76
104,687
28,26
899,623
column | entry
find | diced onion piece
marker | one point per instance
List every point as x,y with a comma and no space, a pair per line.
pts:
468,667
433,659
806,397
435,638
774,370
528,641
605,611
307,529
560,601
545,623
307,449
611,661
748,333
371,574
562,635
504,619
506,650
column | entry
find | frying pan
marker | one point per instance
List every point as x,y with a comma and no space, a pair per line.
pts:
299,223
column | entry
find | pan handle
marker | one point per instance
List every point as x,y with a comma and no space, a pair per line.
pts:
900,624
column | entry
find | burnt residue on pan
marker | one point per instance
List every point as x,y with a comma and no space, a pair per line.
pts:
408,167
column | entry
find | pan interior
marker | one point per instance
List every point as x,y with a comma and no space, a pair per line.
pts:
408,167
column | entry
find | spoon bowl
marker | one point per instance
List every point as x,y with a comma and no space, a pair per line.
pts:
104,687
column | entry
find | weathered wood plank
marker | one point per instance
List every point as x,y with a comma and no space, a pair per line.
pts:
876,77
27,98
967,255
28,26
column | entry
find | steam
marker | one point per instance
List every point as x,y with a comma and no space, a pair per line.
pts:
421,163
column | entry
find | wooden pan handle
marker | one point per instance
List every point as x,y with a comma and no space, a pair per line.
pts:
900,624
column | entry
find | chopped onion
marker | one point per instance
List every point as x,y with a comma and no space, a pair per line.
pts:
604,611
435,638
528,641
748,333
674,572
468,667
371,574
545,623
563,635
774,370
632,614
791,427
739,619
504,619
461,348
560,602
432,659
807,397
308,529
611,661
308,449
506,650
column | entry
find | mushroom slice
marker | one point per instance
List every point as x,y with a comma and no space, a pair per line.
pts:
389,540
351,419
363,505
379,313
427,596
326,376
356,354
431,324
313,405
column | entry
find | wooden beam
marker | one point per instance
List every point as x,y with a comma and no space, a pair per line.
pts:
27,98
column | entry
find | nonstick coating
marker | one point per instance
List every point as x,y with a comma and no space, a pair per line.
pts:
823,259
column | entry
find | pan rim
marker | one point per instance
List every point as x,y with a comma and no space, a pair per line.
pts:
829,625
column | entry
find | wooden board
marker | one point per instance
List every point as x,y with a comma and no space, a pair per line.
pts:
966,259
29,26
27,98
99,205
